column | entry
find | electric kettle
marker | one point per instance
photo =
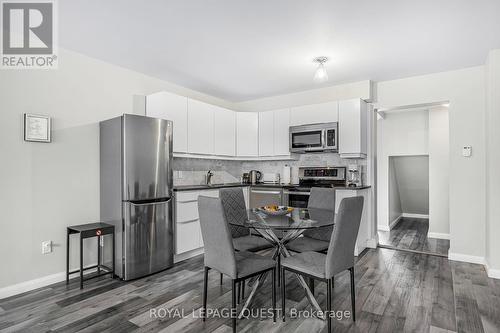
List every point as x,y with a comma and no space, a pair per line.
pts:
254,176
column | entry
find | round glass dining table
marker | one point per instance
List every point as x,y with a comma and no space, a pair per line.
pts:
282,229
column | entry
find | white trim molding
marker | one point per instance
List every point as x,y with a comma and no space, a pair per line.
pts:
466,258
396,221
492,273
31,284
383,228
438,235
416,216
41,282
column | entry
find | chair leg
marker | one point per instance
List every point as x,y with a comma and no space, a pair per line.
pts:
205,289
311,285
279,268
221,276
274,295
243,290
353,295
239,293
329,304
283,293
233,304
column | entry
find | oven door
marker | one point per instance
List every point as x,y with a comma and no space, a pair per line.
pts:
306,140
298,199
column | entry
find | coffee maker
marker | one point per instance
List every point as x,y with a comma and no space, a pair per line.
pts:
353,175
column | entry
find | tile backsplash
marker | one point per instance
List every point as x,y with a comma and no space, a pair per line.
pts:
192,171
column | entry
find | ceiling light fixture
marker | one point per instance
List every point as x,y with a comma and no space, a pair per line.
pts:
321,75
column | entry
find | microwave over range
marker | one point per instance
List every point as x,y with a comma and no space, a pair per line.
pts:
314,138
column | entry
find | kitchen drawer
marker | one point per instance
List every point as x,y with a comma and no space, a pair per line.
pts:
186,211
186,196
187,236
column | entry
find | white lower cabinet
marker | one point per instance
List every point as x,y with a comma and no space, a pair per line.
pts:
187,222
188,236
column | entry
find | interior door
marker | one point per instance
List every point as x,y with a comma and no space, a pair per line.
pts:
148,238
147,152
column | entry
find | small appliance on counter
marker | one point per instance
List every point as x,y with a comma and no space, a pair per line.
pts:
294,178
353,175
271,178
245,178
285,175
254,176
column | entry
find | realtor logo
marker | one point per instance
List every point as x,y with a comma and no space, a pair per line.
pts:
28,35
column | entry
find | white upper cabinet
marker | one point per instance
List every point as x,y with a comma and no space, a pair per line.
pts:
200,127
247,134
225,132
353,116
314,113
171,107
266,133
281,133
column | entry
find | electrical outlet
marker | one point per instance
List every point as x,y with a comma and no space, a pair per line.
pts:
46,247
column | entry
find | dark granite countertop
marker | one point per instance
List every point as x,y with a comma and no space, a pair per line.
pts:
217,186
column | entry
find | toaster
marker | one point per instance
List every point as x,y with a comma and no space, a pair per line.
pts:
271,178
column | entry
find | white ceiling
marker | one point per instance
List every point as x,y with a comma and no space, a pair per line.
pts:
246,49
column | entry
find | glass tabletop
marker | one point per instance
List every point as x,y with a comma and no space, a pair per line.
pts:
298,218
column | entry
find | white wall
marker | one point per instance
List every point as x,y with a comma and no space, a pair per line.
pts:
395,210
399,134
465,89
492,124
46,187
412,174
439,169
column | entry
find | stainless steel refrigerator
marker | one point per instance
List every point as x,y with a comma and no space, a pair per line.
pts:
136,192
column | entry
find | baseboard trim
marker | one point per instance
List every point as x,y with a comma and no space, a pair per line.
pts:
492,273
372,243
438,235
40,282
396,221
467,258
25,286
187,255
416,216
383,228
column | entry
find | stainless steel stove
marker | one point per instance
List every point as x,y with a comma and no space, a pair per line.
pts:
298,196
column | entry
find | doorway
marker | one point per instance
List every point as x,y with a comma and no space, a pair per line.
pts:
412,177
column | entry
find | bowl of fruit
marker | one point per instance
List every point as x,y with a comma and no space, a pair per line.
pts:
276,210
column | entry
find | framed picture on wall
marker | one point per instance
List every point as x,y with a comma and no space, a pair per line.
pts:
37,128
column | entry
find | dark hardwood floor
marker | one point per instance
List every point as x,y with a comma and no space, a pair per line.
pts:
397,291
411,234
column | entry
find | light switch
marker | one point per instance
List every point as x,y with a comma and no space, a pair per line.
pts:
467,151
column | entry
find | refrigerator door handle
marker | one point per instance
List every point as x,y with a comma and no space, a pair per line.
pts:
149,203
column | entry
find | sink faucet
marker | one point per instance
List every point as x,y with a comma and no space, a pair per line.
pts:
208,177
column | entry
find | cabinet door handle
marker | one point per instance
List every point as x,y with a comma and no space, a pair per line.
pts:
188,221
266,192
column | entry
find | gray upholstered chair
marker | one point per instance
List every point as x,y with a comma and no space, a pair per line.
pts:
220,254
235,210
316,239
340,255
233,203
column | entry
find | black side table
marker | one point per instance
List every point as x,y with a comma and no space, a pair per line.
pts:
87,231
